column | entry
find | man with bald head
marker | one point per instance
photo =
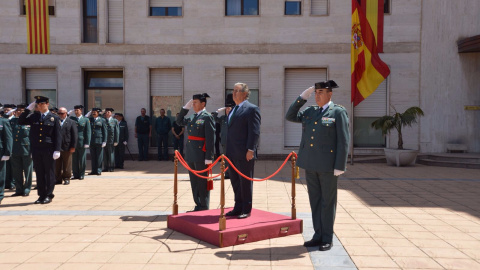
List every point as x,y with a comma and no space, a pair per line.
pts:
63,165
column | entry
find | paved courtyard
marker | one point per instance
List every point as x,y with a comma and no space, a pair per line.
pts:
387,218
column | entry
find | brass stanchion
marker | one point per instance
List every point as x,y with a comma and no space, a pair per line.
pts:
175,186
294,210
222,222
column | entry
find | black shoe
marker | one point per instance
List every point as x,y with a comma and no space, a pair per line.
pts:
242,216
73,178
312,243
110,170
58,183
99,173
325,246
80,178
92,173
47,200
16,195
39,200
26,195
66,182
11,188
104,170
232,214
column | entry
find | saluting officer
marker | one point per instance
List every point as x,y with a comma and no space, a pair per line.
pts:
79,157
323,154
21,160
112,141
46,140
200,146
5,151
223,121
98,141
122,139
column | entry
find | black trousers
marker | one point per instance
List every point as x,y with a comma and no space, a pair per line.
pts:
44,165
242,187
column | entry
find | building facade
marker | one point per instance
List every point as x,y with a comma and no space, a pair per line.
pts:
130,54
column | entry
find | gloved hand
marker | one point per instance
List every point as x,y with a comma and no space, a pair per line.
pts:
307,93
31,106
88,114
71,112
5,158
56,155
221,110
189,105
208,161
125,142
337,172
104,144
86,146
115,143
11,112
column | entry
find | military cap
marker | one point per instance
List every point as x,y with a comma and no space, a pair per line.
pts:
202,97
9,106
109,109
22,106
229,101
1,105
40,99
119,114
96,110
330,84
78,107
54,109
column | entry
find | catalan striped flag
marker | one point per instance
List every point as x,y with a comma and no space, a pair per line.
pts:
367,69
373,10
38,28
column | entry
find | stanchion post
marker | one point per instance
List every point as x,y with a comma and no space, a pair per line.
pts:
222,222
294,210
175,185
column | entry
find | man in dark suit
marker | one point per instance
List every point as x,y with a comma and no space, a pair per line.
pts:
200,146
143,133
79,157
242,141
162,127
323,154
98,141
63,165
46,141
6,142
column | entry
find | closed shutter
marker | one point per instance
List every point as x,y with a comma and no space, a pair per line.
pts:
41,78
243,75
165,3
375,105
319,7
296,81
166,82
115,21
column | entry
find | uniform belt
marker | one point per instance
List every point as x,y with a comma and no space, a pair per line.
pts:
195,138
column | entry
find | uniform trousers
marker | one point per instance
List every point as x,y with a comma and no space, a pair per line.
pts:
63,167
3,165
119,155
22,166
143,142
96,154
44,166
9,180
79,162
322,193
109,157
201,196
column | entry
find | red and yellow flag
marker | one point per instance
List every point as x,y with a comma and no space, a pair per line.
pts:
368,70
38,29
373,10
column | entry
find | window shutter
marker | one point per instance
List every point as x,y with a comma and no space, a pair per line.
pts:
166,82
165,3
244,75
319,7
41,78
375,105
115,21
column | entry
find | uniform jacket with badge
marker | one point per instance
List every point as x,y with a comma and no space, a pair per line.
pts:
5,138
201,126
325,136
21,140
123,134
99,130
69,134
112,130
43,133
83,130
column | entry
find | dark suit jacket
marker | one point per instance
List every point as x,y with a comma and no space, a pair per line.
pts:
69,134
243,131
43,133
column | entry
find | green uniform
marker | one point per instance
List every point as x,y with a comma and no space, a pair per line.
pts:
223,121
22,164
120,148
199,126
99,136
323,149
112,138
79,157
5,150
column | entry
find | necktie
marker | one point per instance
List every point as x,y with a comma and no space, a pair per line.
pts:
230,118
320,110
43,116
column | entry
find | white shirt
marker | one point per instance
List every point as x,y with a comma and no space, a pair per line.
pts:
326,106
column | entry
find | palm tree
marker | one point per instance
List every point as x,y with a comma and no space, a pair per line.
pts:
397,120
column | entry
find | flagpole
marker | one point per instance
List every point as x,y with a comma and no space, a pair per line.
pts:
351,136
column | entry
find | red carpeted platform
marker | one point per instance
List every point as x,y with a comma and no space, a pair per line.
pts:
260,225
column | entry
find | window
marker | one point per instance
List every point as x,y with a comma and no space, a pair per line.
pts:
241,7
90,21
104,89
319,7
165,8
244,75
41,82
293,7
51,7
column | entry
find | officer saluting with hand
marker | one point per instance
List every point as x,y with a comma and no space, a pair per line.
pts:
45,140
323,154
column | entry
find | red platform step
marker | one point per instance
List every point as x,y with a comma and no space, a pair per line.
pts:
259,226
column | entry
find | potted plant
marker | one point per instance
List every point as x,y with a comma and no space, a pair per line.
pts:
399,156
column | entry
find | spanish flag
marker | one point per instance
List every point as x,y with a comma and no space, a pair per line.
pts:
368,70
38,29
373,10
